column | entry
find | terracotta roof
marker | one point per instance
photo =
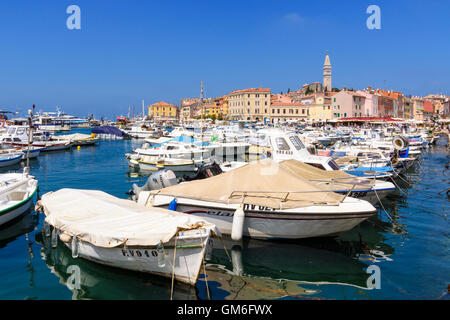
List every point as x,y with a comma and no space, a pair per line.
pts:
162,103
251,90
288,104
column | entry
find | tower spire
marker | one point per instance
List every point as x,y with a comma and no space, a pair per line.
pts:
327,73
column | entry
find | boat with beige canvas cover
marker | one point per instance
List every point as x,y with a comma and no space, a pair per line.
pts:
121,233
264,200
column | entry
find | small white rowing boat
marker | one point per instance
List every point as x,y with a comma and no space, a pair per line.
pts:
16,194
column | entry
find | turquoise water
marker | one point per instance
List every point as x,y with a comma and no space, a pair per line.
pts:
411,250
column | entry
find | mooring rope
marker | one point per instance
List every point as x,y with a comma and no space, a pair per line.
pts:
383,207
173,267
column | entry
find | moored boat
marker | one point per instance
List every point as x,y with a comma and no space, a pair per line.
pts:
264,200
123,234
16,194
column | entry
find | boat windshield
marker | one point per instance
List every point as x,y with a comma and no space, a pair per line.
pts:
297,142
11,130
282,144
333,165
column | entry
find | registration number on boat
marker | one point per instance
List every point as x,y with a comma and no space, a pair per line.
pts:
139,253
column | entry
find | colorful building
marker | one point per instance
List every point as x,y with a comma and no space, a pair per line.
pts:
249,104
163,111
287,111
347,104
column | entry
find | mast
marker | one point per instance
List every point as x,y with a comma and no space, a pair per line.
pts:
30,125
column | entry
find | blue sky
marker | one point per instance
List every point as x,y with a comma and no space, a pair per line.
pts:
127,51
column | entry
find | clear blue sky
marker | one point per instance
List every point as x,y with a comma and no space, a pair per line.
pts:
127,51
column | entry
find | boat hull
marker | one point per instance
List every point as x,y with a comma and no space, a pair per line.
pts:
15,211
265,223
189,254
10,162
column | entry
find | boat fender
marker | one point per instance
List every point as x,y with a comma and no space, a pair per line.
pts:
54,240
74,247
173,204
238,224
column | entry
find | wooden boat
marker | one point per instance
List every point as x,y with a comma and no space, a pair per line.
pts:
16,195
121,233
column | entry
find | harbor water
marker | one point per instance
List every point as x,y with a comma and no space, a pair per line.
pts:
408,244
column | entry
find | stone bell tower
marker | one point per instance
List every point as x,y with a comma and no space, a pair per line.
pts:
327,74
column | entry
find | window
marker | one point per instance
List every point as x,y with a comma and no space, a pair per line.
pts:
303,111
334,100
282,144
297,142
296,111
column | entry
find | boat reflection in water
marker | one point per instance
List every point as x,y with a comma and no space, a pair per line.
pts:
258,269
295,269
21,225
88,280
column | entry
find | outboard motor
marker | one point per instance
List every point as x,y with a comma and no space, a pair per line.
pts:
157,180
205,171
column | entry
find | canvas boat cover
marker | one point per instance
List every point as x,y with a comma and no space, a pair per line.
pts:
336,180
263,183
106,221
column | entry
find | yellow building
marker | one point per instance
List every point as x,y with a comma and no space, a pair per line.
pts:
285,111
211,109
162,111
249,104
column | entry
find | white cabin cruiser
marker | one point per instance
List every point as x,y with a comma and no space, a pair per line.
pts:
18,136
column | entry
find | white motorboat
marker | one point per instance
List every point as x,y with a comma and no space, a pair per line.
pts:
78,139
154,163
18,136
263,200
16,194
123,234
32,152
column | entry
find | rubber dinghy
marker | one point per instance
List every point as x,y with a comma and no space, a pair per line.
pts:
121,233
264,200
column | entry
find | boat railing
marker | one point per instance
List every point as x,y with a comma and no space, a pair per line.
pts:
285,198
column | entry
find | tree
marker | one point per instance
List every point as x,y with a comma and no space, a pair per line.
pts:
289,90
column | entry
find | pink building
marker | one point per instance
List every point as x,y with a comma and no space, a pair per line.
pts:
370,105
347,104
